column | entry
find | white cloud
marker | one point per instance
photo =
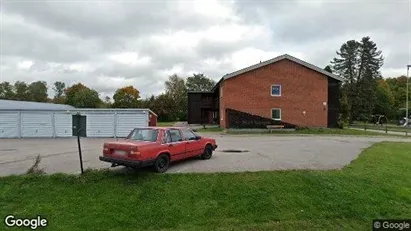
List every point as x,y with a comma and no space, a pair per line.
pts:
25,65
108,45
130,58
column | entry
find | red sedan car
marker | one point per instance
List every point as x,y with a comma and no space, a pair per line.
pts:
158,147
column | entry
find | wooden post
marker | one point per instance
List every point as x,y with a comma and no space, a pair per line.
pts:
386,129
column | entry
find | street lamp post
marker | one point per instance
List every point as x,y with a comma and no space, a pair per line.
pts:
406,109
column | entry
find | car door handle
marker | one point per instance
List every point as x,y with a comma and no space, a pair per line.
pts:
170,145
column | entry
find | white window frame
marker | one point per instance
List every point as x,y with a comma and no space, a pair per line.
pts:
279,109
271,90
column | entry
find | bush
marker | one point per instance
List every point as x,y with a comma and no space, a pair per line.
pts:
35,168
342,122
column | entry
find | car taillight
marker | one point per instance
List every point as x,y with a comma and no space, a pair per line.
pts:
105,148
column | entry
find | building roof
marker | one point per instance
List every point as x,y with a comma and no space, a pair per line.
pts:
276,59
26,105
14,105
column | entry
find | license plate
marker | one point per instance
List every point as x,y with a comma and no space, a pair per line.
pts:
120,152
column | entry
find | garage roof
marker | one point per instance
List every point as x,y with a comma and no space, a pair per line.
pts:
26,105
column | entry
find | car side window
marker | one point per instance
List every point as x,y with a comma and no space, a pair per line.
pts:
175,135
167,137
189,135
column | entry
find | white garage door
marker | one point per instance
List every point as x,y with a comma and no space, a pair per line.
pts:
63,125
9,124
36,124
100,125
127,122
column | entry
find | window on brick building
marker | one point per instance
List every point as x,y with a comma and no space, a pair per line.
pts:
276,90
276,114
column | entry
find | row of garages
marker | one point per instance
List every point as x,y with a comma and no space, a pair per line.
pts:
64,123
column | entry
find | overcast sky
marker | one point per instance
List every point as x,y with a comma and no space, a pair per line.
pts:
110,44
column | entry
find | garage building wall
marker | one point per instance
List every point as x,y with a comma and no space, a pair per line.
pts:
9,124
127,121
100,125
36,124
49,123
63,125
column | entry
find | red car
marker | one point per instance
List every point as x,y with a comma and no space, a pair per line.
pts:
158,147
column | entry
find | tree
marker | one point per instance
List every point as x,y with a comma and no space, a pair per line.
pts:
199,82
344,105
81,96
164,107
385,99
126,97
371,60
59,88
398,88
177,91
346,66
359,64
21,91
366,100
148,102
38,91
6,91
328,68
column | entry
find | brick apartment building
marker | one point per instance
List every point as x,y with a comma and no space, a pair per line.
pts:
283,90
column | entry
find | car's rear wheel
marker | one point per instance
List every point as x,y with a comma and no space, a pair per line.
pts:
162,163
208,152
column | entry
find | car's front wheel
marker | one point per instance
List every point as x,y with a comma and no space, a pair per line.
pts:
208,152
162,163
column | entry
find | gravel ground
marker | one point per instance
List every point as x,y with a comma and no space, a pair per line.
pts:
264,153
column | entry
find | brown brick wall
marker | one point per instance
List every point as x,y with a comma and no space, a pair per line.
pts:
302,89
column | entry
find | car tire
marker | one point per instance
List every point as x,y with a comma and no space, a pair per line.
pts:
162,163
208,152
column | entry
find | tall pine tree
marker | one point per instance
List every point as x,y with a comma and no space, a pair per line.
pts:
371,61
346,65
359,64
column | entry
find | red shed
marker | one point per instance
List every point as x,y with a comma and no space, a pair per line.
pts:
152,119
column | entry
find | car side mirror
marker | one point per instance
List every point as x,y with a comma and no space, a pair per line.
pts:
198,137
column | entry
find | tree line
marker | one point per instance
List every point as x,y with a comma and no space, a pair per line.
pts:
169,106
364,91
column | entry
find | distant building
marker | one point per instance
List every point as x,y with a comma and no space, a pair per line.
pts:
283,90
19,119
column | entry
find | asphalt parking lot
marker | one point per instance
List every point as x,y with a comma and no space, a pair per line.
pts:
264,153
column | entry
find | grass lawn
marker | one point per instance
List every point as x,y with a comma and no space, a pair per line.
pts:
376,185
166,124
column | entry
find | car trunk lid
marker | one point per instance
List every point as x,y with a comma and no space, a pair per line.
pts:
123,149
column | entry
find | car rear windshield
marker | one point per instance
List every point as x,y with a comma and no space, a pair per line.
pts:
143,134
